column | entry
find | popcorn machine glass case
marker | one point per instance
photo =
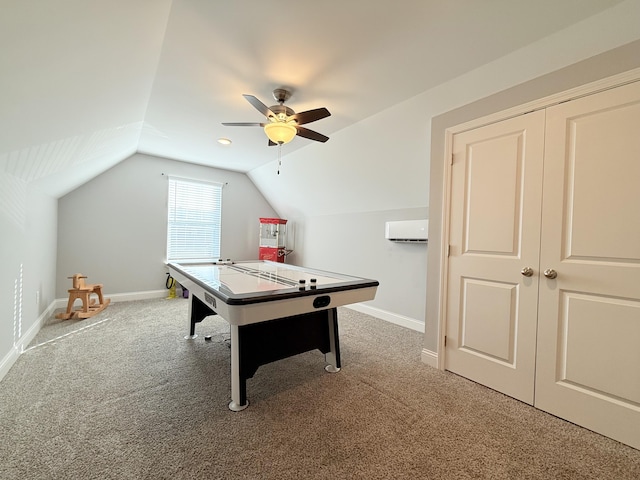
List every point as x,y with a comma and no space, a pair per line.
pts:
273,235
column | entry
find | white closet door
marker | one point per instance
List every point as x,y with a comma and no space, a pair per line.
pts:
588,354
494,234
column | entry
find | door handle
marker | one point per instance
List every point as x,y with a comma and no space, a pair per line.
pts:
527,271
550,273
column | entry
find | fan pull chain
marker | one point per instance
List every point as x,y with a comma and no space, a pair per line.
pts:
279,157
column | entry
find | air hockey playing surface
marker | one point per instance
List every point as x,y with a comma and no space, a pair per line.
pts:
254,291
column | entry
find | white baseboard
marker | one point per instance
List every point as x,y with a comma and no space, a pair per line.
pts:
401,320
429,357
123,297
10,358
7,362
359,307
127,297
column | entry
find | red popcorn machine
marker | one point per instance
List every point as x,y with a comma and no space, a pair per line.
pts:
273,233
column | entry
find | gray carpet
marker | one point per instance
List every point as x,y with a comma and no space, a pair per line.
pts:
124,396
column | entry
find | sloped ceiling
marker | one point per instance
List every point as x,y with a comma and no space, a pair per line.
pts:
87,83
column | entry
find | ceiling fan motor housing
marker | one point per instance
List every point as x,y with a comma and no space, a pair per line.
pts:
281,110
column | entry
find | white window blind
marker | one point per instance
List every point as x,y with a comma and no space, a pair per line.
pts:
194,217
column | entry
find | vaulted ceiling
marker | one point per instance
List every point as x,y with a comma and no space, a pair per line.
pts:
87,83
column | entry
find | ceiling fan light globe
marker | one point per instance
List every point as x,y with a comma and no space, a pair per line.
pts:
280,132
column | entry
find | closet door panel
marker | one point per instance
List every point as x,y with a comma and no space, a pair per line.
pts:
494,234
588,365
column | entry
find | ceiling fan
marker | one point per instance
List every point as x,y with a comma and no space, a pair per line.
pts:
282,122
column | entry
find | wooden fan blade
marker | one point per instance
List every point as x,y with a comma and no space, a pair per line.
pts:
310,115
261,107
311,135
243,124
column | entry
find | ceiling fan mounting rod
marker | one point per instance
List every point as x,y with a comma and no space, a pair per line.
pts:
281,95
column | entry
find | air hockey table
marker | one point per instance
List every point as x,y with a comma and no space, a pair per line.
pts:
274,310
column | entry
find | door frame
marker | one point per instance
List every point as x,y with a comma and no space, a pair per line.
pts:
539,104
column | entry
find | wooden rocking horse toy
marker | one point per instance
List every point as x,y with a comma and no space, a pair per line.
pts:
83,292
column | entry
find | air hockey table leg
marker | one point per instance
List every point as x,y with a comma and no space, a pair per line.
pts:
192,323
198,311
333,356
238,385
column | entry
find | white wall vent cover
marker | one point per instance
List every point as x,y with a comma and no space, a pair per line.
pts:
407,231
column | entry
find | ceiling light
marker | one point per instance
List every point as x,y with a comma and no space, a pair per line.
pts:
224,141
280,132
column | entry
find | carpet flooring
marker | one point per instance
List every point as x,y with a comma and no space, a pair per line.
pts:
123,395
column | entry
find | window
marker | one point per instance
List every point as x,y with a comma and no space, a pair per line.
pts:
194,217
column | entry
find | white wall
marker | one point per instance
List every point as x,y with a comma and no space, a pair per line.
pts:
28,225
114,228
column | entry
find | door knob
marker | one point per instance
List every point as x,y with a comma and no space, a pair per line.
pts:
527,271
550,273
